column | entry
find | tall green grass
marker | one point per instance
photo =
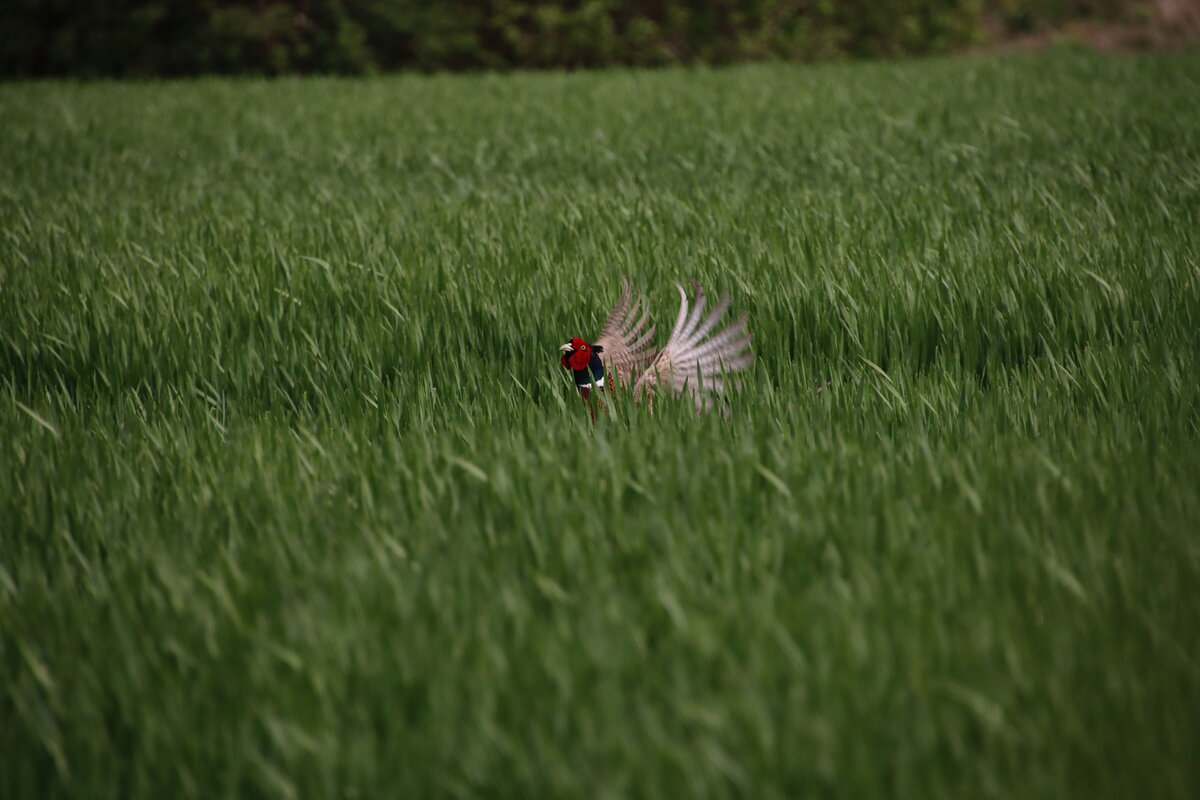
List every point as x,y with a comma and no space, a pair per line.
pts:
295,500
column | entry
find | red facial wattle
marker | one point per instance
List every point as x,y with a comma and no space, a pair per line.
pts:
581,356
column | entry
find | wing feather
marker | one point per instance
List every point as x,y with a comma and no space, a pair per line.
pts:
691,363
625,337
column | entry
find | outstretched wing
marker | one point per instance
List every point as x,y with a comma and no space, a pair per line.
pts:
692,363
626,339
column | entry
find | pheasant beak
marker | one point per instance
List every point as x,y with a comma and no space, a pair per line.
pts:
566,348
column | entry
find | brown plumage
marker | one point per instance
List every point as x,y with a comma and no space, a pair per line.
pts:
697,358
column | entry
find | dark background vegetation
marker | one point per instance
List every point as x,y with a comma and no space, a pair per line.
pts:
164,37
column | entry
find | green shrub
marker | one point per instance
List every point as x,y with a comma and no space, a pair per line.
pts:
147,37
143,37
1032,15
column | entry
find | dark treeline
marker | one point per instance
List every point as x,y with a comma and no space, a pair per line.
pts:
167,37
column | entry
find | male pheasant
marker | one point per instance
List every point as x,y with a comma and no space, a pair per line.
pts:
694,361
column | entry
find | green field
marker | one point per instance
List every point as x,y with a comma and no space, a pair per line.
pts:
295,500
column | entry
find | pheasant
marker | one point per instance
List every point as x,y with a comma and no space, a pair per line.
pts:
694,361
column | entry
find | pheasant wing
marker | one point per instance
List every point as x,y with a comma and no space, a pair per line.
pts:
695,359
627,336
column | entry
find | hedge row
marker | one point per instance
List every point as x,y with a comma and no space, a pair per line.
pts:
165,37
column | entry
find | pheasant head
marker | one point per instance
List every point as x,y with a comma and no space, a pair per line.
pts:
584,360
